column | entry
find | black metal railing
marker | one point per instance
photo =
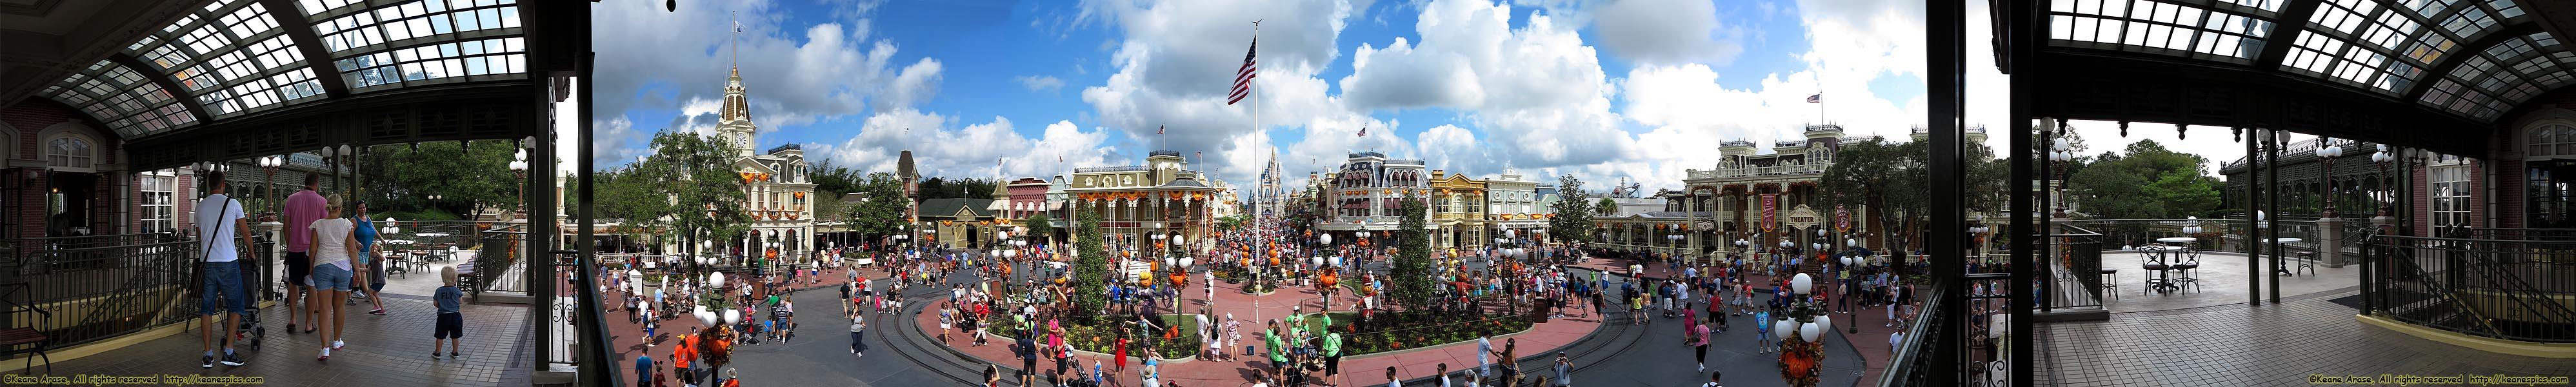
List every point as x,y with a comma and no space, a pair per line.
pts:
100,287
2517,234
2521,290
1912,364
496,257
2075,281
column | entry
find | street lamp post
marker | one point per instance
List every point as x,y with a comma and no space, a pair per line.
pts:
2328,153
2383,158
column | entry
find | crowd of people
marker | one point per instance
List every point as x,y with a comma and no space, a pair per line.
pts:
332,254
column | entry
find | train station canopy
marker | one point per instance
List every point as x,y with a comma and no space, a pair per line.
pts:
182,81
2376,70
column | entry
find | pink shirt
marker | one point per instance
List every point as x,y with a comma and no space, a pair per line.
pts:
302,208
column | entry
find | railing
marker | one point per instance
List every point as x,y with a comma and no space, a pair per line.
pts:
107,286
2507,289
2519,234
1912,366
1131,168
2072,282
498,257
1731,172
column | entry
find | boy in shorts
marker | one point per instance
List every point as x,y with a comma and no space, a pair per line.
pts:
451,323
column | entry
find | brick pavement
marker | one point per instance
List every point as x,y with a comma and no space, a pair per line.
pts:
1363,370
2235,345
387,350
1870,342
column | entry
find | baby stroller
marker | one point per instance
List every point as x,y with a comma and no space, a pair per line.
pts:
249,333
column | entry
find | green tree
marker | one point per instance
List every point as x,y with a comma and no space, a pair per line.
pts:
1040,225
466,179
879,211
2185,194
1572,223
1091,266
1606,207
628,194
706,196
1411,274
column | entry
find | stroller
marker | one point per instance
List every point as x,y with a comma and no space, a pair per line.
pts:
249,333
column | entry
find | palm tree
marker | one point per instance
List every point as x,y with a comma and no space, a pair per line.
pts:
1606,207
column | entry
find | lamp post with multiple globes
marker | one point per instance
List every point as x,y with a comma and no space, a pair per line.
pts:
1801,361
2327,151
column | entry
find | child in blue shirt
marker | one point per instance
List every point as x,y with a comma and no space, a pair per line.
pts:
451,323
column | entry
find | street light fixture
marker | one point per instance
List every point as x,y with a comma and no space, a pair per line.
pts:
2384,158
2329,152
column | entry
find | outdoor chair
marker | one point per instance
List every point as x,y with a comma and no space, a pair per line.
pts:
2307,261
25,340
2154,267
2187,272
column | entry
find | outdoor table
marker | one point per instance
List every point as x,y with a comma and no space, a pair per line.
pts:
2159,254
2284,242
2177,240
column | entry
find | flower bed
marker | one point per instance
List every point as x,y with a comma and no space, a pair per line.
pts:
1416,335
1103,337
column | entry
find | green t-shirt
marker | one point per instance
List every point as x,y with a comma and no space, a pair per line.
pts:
1278,351
1333,344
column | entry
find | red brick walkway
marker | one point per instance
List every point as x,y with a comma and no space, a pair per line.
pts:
1357,370
1871,342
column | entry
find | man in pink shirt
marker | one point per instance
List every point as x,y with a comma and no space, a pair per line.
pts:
302,208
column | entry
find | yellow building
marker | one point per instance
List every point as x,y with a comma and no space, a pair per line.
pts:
1458,211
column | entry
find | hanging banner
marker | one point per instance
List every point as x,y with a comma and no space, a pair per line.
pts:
1842,219
1770,211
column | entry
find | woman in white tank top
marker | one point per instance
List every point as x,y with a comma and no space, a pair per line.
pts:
333,245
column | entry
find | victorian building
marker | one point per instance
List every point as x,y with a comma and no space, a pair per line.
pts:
1367,192
1512,204
1135,202
1458,211
776,189
1761,199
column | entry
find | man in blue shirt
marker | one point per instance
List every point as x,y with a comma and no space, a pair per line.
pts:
644,370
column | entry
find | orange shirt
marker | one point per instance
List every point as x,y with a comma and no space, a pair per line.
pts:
685,353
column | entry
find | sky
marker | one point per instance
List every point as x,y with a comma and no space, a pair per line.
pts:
1605,90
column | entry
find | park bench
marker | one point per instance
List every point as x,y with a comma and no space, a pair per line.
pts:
24,340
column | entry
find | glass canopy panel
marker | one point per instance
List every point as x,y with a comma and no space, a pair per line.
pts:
2231,31
122,97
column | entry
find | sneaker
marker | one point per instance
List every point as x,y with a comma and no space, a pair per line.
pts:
453,355
433,355
863,355
207,362
326,354
290,328
233,360
336,344
378,311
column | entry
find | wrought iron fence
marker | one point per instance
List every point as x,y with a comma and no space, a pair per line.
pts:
98,287
497,257
2522,290
1912,365
2073,281
2518,234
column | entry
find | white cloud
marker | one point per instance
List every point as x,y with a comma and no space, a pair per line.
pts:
942,148
662,60
1040,83
1666,31
1177,60
917,84
1537,88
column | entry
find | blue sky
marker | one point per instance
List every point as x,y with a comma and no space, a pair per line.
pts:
1639,89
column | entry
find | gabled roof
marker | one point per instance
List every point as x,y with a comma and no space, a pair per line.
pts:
950,207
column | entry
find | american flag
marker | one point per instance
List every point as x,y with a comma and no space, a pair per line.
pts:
1158,130
1363,131
1818,98
1243,77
